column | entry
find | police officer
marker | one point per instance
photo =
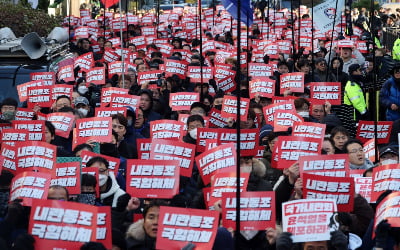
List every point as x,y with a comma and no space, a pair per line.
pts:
354,95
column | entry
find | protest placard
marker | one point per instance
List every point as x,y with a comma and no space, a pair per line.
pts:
270,110
225,182
257,210
385,177
363,187
143,147
35,156
29,186
320,92
98,128
178,226
68,175
293,82
326,165
183,100
229,107
248,139
62,122
263,86
152,178
166,129
366,131
35,128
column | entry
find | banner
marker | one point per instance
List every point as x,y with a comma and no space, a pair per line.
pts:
386,177
183,100
229,108
288,150
178,226
61,224
249,139
257,210
293,82
174,150
68,175
308,219
263,86
166,129
326,165
366,131
325,15
340,189
320,92
29,186
219,159
152,178
62,122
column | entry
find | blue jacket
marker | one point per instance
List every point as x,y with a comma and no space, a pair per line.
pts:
390,94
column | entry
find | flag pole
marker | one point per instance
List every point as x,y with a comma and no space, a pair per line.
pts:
237,231
122,44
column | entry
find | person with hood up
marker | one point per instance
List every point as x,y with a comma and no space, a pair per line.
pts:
354,95
390,95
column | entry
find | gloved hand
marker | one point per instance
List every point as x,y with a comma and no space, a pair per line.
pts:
339,240
284,241
381,234
189,246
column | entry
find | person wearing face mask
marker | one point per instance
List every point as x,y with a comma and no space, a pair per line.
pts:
88,190
389,155
82,106
389,95
193,123
354,94
8,110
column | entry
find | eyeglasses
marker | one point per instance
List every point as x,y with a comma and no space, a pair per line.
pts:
102,170
353,151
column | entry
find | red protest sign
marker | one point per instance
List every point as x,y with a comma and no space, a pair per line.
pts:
49,78
30,186
153,178
226,183
174,150
85,62
229,108
284,119
388,210
96,75
340,189
174,67
227,83
108,112
110,55
178,226
195,73
121,100
248,140
369,150
112,161
257,70
24,114
166,129
10,136
143,147
326,165
68,175
183,100
263,86
386,177
148,76
203,135
293,82
23,88
288,150
216,120
61,89
62,224
62,122
257,210
99,128
35,156
218,159
66,73
308,219
36,129
8,153
309,129
366,131
107,92
320,92
269,110
81,32
222,72
104,229
363,187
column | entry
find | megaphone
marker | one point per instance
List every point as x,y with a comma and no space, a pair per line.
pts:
33,45
59,34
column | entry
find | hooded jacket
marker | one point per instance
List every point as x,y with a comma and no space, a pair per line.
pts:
390,94
136,237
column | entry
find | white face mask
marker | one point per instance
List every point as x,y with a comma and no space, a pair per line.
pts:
304,114
193,133
389,161
83,111
130,122
102,179
82,89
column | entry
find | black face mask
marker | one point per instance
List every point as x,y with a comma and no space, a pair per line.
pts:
358,78
219,107
397,80
86,198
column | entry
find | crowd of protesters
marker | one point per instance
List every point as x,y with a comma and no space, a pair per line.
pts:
345,64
